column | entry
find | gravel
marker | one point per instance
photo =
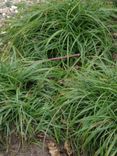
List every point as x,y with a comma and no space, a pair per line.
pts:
9,8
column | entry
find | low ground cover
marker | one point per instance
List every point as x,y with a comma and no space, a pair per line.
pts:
71,99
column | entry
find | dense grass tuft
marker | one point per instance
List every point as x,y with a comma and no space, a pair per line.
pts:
79,106
59,28
86,111
23,99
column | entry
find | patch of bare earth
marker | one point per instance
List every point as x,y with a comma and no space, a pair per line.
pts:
26,150
15,148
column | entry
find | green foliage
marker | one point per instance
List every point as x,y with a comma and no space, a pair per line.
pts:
21,94
75,102
88,112
75,105
59,28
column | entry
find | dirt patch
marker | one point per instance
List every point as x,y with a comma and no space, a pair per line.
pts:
32,150
26,150
16,149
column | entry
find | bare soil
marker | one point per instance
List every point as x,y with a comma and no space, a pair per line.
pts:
32,150
26,150
14,148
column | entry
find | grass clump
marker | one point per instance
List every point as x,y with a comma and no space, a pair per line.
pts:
61,28
23,97
67,104
27,92
86,110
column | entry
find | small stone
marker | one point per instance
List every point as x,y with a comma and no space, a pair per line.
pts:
3,14
13,7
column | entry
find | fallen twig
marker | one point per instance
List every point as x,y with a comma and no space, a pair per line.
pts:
64,57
